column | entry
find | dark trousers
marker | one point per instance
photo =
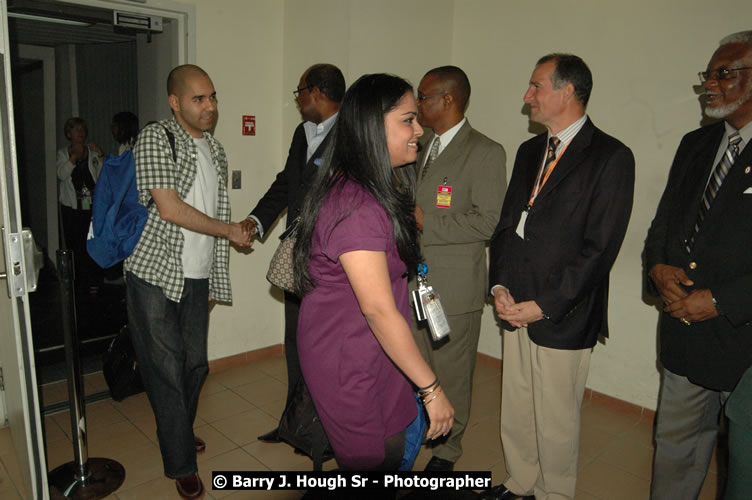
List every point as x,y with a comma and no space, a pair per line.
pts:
170,343
294,373
75,231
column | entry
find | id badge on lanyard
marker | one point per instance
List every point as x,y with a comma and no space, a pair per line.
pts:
428,306
540,181
521,224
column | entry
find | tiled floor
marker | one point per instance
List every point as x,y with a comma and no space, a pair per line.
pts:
242,402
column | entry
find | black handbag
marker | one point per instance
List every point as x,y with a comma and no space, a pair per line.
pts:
120,367
300,426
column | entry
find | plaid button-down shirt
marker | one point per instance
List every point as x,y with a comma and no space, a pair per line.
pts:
157,259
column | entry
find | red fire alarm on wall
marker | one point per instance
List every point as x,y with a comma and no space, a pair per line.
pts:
249,125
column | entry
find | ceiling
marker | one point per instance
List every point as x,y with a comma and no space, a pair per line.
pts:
98,27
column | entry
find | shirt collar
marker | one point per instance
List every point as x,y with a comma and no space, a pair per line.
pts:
745,132
447,136
566,135
319,129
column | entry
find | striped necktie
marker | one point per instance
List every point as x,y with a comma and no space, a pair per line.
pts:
716,179
431,156
553,143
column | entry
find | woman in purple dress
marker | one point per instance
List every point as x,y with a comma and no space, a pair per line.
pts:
357,242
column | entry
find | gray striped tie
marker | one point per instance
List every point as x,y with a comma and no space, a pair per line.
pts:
431,156
720,172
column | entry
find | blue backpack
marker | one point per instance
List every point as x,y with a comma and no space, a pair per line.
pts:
117,218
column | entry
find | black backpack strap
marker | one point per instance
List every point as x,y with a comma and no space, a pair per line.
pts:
171,140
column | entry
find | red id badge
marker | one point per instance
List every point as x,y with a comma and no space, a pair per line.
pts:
444,197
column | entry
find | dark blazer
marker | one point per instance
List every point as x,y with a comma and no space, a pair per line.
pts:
716,352
453,243
291,185
572,236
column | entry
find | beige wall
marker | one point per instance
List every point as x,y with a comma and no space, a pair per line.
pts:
644,55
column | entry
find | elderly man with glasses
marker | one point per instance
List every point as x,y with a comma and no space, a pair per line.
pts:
697,254
318,96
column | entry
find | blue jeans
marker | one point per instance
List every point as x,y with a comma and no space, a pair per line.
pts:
170,343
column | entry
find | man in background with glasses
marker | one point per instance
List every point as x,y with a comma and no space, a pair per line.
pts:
698,260
318,96
461,182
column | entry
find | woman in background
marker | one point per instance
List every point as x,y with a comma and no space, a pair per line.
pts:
357,241
78,167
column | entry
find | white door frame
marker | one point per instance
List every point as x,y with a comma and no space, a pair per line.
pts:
16,347
184,14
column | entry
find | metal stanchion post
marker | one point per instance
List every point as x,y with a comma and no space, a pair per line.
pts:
84,478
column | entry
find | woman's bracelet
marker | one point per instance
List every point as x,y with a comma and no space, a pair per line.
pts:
436,381
423,394
425,403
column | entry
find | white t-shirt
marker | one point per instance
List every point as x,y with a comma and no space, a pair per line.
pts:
198,249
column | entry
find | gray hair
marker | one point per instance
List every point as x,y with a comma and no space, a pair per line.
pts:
744,37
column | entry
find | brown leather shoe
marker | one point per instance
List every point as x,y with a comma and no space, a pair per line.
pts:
190,487
200,444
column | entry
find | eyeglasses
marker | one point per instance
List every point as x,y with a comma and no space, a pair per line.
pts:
720,74
422,97
297,92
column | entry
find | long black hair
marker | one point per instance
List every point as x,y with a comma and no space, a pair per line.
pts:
358,152
127,124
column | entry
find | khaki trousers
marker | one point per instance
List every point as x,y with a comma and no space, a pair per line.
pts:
541,397
453,360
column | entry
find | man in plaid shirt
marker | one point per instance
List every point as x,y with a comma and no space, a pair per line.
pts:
180,264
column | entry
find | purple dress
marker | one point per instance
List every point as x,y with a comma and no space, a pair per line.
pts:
360,395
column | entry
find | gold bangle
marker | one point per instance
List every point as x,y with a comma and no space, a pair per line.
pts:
426,392
425,403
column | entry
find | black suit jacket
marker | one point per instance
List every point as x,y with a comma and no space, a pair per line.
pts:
716,352
291,185
572,236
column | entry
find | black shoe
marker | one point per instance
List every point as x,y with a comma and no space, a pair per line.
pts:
501,492
437,464
271,436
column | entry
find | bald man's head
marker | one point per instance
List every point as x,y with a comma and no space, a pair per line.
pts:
193,100
179,75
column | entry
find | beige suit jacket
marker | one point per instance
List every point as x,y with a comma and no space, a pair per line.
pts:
454,239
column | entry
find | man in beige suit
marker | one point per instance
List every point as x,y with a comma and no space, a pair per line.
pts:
461,179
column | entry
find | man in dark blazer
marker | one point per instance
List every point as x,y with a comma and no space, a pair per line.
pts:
697,254
458,198
562,224
318,96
